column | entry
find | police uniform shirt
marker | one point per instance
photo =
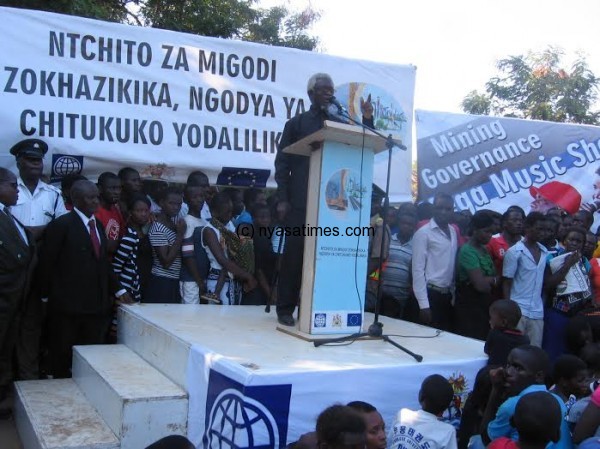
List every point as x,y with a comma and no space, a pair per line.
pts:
41,207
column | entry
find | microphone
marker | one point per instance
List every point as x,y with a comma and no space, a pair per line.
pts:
334,101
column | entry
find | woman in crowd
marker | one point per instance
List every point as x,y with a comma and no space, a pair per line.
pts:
219,243
133,258
568,288
166,234
476,280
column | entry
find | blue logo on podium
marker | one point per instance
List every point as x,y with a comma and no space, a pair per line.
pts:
354,319
320,319
239,416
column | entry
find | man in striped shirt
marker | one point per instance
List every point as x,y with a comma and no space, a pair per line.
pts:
397,283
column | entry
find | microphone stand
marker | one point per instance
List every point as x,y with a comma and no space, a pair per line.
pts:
375,330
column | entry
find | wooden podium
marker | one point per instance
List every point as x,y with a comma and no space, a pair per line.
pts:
337,228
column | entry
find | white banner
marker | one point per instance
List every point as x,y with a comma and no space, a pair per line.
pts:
494,162
245,406
106,95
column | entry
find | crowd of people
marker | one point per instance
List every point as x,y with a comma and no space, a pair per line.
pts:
527,285
71,256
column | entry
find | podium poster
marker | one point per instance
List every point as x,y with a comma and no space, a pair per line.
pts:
107,95
343,239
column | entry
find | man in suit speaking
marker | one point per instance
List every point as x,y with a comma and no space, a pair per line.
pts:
78,279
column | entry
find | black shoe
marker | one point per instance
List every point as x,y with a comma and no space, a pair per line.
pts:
286,320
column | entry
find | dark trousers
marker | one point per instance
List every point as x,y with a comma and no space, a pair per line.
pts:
290,275
9,321
68,330
33,321
441,309
256,297
162,290
393,307
472,312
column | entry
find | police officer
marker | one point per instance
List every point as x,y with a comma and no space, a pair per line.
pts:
38,204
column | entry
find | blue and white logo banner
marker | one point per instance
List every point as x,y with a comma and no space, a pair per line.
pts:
242,405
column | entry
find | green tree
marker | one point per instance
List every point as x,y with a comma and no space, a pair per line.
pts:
237,19
277,26
112,10
217,18
536,86
476,103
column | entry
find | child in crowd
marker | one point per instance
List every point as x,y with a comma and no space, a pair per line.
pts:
525,372
472,412
192,282
375,433
591,242
340,427
578,334
423,428
590,355
548,233
570,379
587,429
504,335
537,418
172,442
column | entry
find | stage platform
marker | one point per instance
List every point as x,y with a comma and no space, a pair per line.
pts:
236,355
226,377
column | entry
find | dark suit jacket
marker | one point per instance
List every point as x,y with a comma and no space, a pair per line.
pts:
16,264
73,279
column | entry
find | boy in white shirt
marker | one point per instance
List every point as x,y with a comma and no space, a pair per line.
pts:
423,428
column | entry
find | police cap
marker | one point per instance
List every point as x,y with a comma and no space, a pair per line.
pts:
30,148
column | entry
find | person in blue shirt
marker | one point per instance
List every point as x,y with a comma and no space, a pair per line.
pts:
525,372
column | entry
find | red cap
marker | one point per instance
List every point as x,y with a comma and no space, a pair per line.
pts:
561,194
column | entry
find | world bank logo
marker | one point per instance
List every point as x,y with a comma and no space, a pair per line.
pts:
239,416
239,422
65,164
320,319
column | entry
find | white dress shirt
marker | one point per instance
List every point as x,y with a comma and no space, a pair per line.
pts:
86,221
433,259
40,207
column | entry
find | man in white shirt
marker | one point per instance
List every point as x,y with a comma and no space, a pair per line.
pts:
434,253
39,203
